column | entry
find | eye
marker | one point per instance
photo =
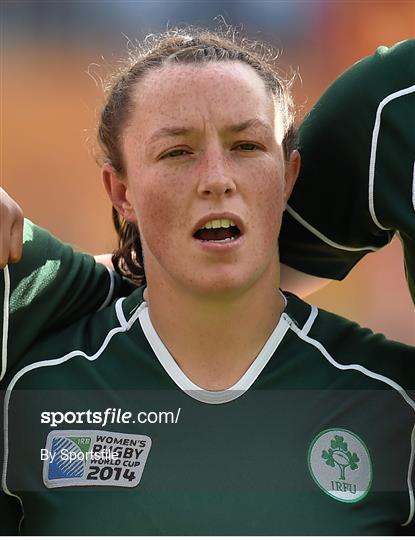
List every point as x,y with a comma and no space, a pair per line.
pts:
247,147
175,153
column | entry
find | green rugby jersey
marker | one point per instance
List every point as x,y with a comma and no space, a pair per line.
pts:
52,287
315,438
356,185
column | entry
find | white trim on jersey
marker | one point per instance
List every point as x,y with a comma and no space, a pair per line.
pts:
110,290
310,321
324,238
5,332
124,327
375,136
189,387
120,314
371,182
410,489
373,375
6,308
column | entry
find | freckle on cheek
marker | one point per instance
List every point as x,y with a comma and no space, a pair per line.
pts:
157,217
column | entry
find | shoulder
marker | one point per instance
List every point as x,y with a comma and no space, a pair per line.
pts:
348,347
45,258
388,70
51,287
399,58
92,343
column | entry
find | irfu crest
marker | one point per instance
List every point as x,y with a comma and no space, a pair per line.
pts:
340,464
339,454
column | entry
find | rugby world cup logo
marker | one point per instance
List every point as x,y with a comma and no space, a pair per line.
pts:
61,448
94,458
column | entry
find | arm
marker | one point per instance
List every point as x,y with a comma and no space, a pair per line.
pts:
50,287
300,283
11,245
354,188
105,259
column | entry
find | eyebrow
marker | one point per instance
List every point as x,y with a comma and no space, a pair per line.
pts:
252,122
170,132
234,128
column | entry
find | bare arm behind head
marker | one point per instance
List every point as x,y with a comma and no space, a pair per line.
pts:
300,283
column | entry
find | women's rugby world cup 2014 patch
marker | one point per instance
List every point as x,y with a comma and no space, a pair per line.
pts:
94,458
340,464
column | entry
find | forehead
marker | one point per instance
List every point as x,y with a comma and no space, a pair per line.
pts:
227,92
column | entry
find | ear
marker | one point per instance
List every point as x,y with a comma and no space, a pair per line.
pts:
292,169
118,192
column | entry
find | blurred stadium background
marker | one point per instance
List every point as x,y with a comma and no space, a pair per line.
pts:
49,106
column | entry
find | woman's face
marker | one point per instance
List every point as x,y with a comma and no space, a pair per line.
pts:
206,180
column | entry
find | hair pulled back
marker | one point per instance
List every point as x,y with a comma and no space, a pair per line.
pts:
188,46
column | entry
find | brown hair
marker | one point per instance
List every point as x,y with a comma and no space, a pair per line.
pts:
187,45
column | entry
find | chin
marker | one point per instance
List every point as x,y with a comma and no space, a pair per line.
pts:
222,285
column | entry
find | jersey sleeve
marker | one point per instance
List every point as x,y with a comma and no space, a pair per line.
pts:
49,288
340,208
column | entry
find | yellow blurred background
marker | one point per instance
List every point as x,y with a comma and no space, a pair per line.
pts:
50,103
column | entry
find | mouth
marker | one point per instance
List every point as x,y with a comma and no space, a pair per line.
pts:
218,231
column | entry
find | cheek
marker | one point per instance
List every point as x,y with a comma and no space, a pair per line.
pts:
269,200
158,210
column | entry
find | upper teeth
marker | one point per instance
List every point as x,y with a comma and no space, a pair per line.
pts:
218,223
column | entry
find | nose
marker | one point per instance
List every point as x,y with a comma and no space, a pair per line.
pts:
215,178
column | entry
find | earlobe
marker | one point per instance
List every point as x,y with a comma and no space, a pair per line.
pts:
292,171
117,190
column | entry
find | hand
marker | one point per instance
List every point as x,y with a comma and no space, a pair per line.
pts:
11,233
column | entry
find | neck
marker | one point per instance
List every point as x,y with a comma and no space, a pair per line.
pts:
214,339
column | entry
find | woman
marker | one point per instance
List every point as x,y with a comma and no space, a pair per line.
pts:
272,410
